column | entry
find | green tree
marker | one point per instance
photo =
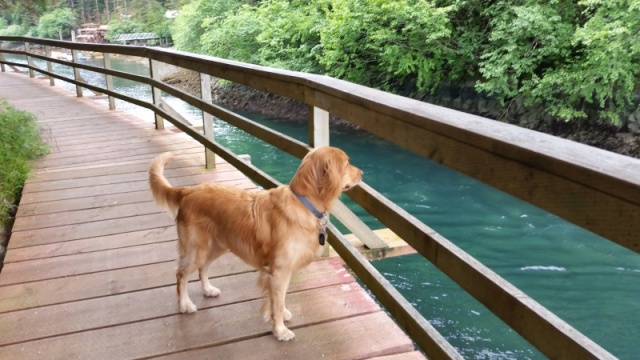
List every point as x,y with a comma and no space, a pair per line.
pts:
58,20
150,13
386,44
601,79
293,45
234,36
126,26
195,18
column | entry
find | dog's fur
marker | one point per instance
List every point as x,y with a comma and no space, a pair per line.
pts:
271,230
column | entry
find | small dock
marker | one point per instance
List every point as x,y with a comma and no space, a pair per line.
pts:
90,267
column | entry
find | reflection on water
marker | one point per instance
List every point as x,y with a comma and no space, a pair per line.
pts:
589,282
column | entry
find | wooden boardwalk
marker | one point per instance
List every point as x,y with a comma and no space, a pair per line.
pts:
89,271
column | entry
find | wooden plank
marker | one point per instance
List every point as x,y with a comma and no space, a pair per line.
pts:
53,195
103,141
357,226
113,175
361,337
116,167
108,311
44,221
99,243
88,230
78,264
127,159
207,327
83,203
107,283
151,149
415,355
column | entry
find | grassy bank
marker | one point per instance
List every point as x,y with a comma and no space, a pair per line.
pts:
20,142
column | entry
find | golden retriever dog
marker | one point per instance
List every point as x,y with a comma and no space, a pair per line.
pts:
277,231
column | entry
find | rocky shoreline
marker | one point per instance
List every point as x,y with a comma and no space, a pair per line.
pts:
244,98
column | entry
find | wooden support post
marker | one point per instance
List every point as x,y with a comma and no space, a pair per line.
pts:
319,136
109,80
207,119
357,227
76,72
154,73
318,127
2,68
29,60
47,53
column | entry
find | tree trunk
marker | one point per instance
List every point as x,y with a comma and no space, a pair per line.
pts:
106,10
98,13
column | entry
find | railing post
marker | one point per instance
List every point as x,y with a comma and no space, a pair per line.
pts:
2,68
76,72
319,136
207,119
154,73
318,127
47,53
29,60
109,80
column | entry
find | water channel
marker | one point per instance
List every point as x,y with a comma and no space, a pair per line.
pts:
591,283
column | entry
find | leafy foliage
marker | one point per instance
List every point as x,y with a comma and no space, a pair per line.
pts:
383,43
603,74
126,26
293,45
19,142
11,30
58,20
194,18
234,36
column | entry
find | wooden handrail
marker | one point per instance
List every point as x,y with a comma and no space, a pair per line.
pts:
595,189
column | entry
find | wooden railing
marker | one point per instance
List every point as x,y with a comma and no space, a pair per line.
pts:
594,189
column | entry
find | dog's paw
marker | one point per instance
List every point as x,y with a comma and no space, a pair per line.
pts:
188,307
287,315
211,291
284,334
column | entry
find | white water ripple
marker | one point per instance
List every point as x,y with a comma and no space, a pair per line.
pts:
543,268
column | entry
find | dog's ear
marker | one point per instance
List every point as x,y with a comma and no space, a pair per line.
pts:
330,172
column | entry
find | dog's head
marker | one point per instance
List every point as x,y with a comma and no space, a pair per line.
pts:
323,174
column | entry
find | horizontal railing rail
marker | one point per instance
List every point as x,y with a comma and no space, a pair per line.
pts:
595,189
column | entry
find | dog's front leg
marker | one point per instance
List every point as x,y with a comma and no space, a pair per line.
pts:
278,285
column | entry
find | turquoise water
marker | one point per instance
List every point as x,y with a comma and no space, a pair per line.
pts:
592,284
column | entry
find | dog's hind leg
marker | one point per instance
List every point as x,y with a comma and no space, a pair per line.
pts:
186,305
186,265
208,289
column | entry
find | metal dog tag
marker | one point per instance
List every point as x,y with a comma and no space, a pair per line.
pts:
322,236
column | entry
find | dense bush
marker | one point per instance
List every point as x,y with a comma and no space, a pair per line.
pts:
382,43
126,26
19,143
61,20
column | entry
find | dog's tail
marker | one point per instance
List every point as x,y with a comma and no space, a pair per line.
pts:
164,194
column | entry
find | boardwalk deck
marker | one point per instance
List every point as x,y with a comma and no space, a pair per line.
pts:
89,271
